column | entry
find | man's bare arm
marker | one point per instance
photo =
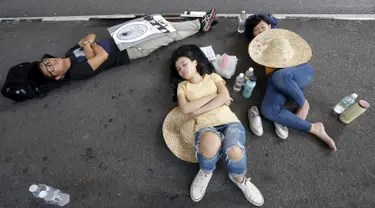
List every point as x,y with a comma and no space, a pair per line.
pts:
90,38
100,56
89,53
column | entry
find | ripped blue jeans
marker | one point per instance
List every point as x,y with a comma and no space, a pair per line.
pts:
231,134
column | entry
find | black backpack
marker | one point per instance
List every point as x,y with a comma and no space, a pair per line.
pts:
24,81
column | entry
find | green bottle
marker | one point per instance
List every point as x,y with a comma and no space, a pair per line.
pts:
354,111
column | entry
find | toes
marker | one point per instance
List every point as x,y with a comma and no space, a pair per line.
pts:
333,148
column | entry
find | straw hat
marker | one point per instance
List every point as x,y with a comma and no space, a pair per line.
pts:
279,48
179,135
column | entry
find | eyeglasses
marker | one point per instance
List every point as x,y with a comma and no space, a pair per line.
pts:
50,69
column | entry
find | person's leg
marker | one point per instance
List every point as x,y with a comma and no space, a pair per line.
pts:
272,103
234,152
272,109
208,143
207,150
183,30
291,81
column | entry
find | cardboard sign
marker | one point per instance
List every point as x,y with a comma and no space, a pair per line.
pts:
137,31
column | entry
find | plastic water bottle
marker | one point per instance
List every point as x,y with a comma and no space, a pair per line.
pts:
249,87
241,22
354,111
249,73
345,103
36,189
49,194
240,80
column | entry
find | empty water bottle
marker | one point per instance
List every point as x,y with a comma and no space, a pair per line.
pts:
240,80
249,73
345,103
249,87
241,22
49,194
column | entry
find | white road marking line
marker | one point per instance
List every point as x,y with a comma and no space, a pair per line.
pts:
186,15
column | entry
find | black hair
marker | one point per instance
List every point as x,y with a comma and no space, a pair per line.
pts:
36,74
252,22
193,52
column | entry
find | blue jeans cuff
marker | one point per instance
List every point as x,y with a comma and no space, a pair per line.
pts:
237,175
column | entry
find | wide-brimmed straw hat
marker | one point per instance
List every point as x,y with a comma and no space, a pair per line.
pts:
179,135
279,48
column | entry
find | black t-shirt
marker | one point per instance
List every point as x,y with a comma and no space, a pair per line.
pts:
81,69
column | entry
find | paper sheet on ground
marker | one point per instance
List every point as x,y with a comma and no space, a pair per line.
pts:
209,52
139,30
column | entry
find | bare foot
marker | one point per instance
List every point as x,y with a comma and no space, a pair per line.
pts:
303,110
318,130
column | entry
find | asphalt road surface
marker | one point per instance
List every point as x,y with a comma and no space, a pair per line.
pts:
21,8
100,140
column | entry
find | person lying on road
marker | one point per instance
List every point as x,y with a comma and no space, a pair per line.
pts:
218,132
89,58
254,25
285,56
257,23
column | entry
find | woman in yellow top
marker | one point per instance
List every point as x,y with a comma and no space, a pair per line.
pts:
218,130
285,56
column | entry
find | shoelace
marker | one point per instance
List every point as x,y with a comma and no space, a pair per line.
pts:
253,117
200,180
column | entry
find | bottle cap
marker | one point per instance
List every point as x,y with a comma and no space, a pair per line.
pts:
354,96
33,188
364,104
42,194
251,69
253,78
242,75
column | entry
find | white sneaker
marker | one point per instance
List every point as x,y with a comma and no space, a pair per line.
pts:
255,121
199,185
250,191
281,131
